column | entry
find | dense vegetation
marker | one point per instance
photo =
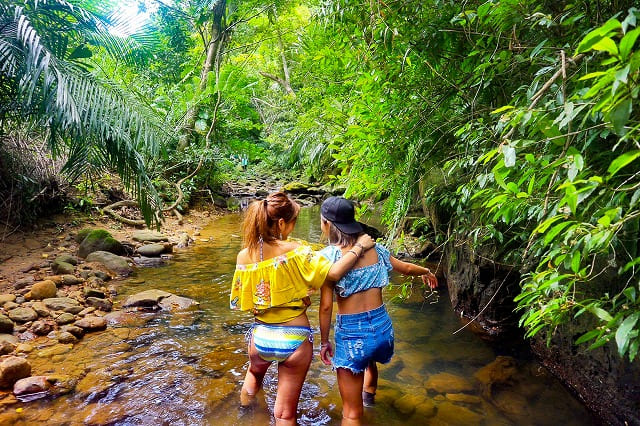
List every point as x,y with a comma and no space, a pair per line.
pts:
513,125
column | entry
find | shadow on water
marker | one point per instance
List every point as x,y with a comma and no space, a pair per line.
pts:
186,368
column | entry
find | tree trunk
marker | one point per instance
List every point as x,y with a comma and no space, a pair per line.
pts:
216,39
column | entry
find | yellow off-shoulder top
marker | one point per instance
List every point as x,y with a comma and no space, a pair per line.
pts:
274,289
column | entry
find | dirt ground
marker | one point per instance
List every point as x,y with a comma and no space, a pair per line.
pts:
26,252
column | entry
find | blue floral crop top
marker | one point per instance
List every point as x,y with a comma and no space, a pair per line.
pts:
363,278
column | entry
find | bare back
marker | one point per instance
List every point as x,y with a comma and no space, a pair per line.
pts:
364,300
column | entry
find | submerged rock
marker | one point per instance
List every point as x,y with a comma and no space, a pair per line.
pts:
147,298
177,303
448,383
30,385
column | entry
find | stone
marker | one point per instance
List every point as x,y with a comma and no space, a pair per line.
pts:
74,329
407,403
6,347
6,325
425,409
93,292
23,314
11,305
59,349
177,303
151,250
100,275
60,267
23,282
464,397
65,318
456,415
33,384
82,234
67,258
86,311
65,304
4,298
448,383
112,262
71,280
43,290
41,328
13,369
499,371
41,309
92,323
99,240
101,304
62,336
147,298
148,235
24,348
9,338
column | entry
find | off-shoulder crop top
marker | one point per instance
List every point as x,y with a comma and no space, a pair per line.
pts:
274,289
360,279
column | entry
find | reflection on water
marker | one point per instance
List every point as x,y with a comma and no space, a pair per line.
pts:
186,368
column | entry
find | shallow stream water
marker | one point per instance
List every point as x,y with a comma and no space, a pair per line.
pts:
186,368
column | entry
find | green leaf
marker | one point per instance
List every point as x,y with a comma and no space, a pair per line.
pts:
627,42
502,109
622,161
606,44
587,336
600,313
622,334
620,115
575,261
555,231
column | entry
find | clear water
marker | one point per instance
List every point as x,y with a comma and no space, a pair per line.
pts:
186,368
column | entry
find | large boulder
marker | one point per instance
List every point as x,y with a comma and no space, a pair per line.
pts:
43,290
112,262
13,369
65,304
99,240
146,235
147,298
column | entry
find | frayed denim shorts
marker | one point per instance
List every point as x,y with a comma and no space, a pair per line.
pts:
361,338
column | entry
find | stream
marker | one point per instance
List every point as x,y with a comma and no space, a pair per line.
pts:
186,368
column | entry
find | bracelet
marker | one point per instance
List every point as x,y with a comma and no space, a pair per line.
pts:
323,344
353,251
360,245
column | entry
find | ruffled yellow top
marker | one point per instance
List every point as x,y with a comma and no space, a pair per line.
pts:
274,289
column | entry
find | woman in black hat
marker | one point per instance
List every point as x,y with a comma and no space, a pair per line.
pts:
363,329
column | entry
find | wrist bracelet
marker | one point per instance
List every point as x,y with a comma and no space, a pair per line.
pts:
323,344
353,251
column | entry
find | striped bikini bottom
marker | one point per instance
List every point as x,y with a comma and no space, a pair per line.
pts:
277,342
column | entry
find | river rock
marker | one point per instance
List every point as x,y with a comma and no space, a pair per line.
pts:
62,336
30,385
407,404
59,349
65,318
41,328
13,369
93,292
151,250
101,304
148,262
43,290
99,240
60,267
9,338
499,371
23,282
24,348
67,258
6,325
65,304
112,262
92,323
4,298
448,383
177,303
456,415
12,305
86,311
78,332
147,298
148,235
41,309
6,347
82,234
23,314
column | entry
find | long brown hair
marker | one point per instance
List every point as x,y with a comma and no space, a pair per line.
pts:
262,216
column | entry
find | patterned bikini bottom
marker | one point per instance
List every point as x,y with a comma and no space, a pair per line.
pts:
278,342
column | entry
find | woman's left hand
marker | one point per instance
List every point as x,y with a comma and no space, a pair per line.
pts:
430,279
366,242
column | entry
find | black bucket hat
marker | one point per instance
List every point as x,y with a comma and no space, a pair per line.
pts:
341,213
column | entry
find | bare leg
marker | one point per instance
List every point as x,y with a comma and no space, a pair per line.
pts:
291,375
371,378
255,374
351,393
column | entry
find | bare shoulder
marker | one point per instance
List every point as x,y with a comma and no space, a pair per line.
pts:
290,245
243,257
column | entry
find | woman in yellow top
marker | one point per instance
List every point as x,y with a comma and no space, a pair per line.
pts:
273,278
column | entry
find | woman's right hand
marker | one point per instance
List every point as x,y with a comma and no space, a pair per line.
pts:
366,242
326,352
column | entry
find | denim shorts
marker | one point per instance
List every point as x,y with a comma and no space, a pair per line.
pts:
361,338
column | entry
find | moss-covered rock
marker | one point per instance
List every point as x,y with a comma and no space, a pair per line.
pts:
99,240
82,234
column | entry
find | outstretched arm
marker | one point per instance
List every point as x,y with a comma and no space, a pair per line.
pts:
326,309
342,266
406,268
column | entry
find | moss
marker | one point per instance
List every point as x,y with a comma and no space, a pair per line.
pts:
82,234
96,235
